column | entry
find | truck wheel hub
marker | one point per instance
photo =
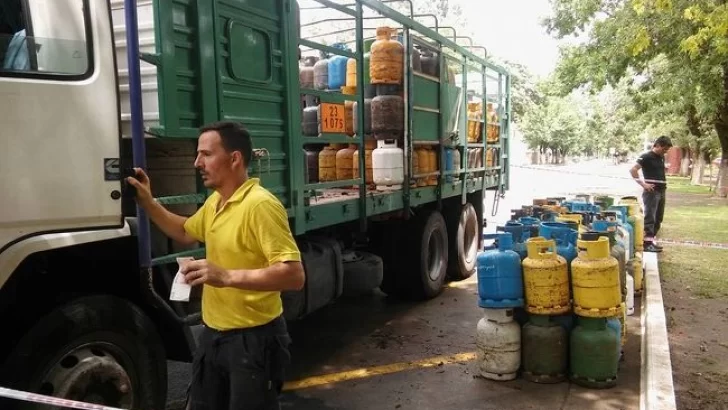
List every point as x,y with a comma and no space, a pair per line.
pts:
89,374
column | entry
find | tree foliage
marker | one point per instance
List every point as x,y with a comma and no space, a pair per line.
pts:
675,52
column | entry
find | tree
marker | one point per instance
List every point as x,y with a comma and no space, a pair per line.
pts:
680,39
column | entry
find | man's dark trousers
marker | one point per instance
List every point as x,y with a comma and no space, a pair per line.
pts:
240,369
654,202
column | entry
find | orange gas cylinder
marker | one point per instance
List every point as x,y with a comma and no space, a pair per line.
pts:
327,164
415,167
344,158
386,58
424,163
351,72
348,111
433,165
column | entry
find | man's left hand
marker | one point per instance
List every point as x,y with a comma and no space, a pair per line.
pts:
201,271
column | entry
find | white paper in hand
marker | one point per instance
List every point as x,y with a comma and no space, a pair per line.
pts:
180,290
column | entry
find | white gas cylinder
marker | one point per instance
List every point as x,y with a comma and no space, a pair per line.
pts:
388,165
627,243
630,295
498,340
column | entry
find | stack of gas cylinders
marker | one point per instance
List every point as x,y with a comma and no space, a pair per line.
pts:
556,287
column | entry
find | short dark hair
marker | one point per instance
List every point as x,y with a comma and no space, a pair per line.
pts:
662,141
234,137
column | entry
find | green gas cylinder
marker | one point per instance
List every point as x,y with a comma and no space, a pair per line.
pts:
594,353
545,350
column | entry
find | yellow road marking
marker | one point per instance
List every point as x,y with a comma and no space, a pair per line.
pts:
378,371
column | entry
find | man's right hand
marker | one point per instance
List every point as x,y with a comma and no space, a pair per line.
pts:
648,187
143,187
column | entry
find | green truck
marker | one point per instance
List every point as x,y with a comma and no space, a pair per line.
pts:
90,88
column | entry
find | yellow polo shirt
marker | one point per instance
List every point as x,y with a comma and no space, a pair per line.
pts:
250,231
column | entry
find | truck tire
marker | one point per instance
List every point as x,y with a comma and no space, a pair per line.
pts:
463,243
363,272
427,255
97,349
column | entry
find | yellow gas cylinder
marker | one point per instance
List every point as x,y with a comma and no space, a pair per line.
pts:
627,200
545,278
348,110
369,145
351,72
344,159
475,115
595,278
634,211
432,164
386,58
424,163
637,273
327,164
415,167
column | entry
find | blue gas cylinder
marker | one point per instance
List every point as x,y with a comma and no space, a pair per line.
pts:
565,238
500,279
337,69
531,225
519,235
623,216
449,162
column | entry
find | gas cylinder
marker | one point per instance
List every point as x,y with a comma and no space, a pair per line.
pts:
516,230
545,278
344,159
564,236
310,122
500,281
369,146
351,72
639,225
305,75
388,166
574,218
623,320
531,225
630,295
498,341
430,63
416,60
367,116
432,164
312,166
604,201
623,219
637,272
595,278
449,163
424,165
337,69
616,250
545,350
415,161
387,58
388,117
321,73
327,164
594,353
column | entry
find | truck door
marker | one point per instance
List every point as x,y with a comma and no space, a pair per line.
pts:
59,127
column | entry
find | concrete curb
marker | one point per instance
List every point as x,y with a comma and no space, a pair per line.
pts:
657,390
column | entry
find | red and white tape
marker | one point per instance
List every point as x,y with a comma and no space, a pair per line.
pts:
50,400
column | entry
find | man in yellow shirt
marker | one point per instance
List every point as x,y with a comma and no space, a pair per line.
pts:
251,258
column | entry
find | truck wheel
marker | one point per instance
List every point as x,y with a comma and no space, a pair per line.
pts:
96,349
464,241
363,272
427,255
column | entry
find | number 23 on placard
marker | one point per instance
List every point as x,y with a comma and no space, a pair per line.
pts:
332,118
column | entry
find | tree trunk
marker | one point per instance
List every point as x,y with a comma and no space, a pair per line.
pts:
698,168
685,163
721,128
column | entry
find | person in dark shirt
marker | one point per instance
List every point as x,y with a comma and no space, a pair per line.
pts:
654,185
